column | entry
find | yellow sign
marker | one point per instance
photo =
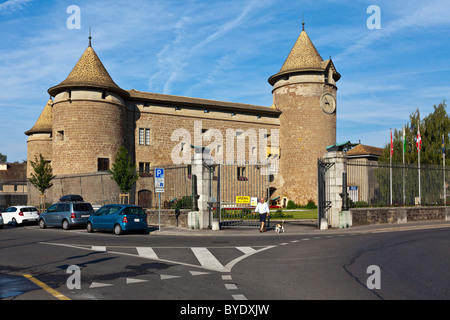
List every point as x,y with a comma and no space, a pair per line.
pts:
242,199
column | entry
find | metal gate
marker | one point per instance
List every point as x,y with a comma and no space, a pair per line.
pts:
237,188
323,190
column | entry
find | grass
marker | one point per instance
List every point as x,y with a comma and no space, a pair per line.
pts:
299,213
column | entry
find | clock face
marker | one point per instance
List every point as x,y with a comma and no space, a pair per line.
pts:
328,103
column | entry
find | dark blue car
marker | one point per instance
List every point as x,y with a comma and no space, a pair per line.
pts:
118,217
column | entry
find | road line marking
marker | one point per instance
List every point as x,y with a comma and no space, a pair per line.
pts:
99,285
226,277
168,276
132,280
246,249
53,292
206,259
198,273
147,252
98,248
230,286
294,241
239,297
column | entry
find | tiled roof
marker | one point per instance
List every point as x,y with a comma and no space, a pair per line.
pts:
361,149
88,72
44,122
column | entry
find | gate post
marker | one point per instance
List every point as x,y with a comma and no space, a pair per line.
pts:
335,182
203,184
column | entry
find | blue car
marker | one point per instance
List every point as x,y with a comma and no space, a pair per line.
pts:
118,217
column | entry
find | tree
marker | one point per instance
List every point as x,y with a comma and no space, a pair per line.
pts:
41,176
123,171
432,127
3,158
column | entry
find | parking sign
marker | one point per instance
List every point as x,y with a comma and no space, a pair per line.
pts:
159,180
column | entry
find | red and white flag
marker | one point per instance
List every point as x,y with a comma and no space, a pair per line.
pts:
418,140
392,145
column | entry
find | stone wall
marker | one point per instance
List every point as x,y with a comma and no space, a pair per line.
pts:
168,217
368,216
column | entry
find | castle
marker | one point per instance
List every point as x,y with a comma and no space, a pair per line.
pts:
81,129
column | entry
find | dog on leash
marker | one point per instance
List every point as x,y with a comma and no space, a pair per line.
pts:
279,227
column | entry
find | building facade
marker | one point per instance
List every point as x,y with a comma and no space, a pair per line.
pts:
88,117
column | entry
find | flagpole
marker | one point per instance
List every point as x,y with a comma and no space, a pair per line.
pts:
443,166
403,169
390,172
418,151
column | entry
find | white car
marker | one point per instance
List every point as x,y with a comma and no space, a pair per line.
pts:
19,214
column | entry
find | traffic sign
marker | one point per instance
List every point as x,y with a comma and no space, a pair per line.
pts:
159,180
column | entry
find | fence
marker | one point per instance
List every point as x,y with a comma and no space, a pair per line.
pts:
369,184
177,188
99,189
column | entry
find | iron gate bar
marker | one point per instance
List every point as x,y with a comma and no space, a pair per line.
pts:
250,182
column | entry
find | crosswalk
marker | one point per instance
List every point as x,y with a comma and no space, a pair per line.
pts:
220,259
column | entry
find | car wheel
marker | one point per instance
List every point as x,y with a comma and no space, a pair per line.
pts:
90,227
65,225
118,229
42,224
14,222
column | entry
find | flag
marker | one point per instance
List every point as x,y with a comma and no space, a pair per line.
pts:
392,145
419,140
404,141
443,145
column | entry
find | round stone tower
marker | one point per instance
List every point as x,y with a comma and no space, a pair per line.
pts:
40,137
88,118
305,91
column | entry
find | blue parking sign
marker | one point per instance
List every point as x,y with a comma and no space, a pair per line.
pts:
159,173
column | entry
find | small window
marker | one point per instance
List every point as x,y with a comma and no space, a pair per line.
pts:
147,137
144,136
103,164
144,167
60,135
141,136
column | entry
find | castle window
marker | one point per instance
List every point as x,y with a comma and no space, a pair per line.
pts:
102,164
103,94
144,137
144,167
60,135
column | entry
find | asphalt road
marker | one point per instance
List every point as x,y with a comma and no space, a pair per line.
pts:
410,263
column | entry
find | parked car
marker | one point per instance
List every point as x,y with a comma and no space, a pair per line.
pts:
119,218
1,221
19,214
66,215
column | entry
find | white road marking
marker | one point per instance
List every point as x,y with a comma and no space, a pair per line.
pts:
206,259
147,252
246,249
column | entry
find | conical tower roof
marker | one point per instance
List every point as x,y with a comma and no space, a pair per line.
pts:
303,57
44,122
88,72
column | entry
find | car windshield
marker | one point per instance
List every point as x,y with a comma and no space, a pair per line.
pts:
134,210
82,207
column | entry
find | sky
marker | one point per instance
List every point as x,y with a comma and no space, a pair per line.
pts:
226,50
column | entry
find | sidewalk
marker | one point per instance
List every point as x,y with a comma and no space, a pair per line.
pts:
298,226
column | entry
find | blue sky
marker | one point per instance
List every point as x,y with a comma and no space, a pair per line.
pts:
226,50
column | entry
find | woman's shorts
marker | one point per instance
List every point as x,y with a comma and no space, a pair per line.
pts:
262,217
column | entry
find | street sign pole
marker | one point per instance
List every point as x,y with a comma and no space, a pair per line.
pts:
159,188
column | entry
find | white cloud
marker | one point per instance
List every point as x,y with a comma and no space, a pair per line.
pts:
11,6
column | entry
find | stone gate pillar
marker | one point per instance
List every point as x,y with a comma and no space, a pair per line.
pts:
335,183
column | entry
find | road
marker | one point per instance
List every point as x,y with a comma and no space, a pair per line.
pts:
410,262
